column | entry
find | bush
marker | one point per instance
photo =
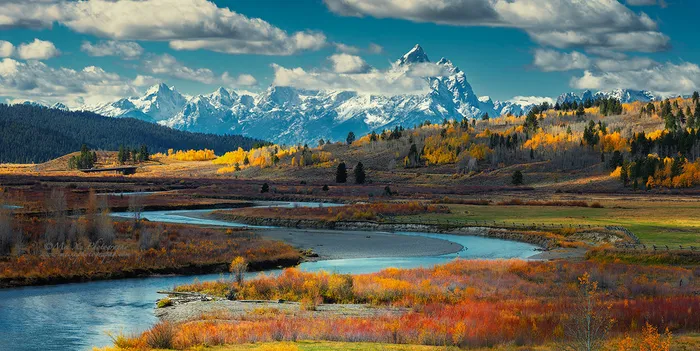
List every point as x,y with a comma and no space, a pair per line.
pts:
161,336
265,188
166,302
325,188
517,178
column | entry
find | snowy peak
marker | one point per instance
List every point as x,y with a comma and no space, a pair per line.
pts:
60,106
415,55
222,97
628,95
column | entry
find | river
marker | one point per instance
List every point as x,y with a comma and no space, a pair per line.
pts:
79,316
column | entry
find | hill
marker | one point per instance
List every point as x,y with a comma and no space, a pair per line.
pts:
33,134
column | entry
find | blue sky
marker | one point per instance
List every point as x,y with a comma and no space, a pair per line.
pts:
507,48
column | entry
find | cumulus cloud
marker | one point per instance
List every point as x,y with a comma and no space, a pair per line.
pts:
372,48
552,60
168,65
664,79
34,80
37,50
6,49
348,49
184,24
397,80
636,63
144,81
242,80
558,23
345,63
125,49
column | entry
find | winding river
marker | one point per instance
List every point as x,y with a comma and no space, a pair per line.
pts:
79,316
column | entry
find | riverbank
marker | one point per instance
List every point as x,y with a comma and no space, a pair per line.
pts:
194,269
542,239
149,249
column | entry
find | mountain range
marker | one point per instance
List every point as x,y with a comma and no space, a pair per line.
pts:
291,115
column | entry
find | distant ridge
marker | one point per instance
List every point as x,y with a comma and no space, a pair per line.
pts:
34,134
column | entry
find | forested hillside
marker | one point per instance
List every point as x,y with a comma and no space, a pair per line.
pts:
37,134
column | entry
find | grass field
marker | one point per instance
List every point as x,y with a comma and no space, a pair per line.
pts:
680,343
330,346
654,222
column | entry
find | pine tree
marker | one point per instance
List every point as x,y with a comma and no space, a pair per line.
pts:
517,178
531,123
696,97
351,138
341,174
485,117
359,173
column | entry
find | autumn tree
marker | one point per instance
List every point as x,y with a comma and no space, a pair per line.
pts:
359,172
6,233
238,268
341,173
56,208
590,320
136,208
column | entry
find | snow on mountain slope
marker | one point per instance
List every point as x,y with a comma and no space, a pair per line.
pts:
624,95
291,115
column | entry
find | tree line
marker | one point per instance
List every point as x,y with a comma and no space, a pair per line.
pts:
33,134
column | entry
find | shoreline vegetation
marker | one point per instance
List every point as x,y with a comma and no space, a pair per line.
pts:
464,303
395,216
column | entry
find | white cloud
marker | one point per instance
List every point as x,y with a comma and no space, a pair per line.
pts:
348,49
144,81
168,65
558,23
37,50
531,100
636,63
6,49
552,60
664,79
344,63
398,80
124,49
242,80
375,48
185,24
34,80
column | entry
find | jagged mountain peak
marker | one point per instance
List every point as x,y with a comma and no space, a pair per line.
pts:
415,55
159,89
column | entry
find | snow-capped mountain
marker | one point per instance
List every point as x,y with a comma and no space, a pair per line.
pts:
627,95
520,105
160,103
624,95
292,115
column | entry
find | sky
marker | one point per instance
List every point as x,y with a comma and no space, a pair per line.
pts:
88,52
